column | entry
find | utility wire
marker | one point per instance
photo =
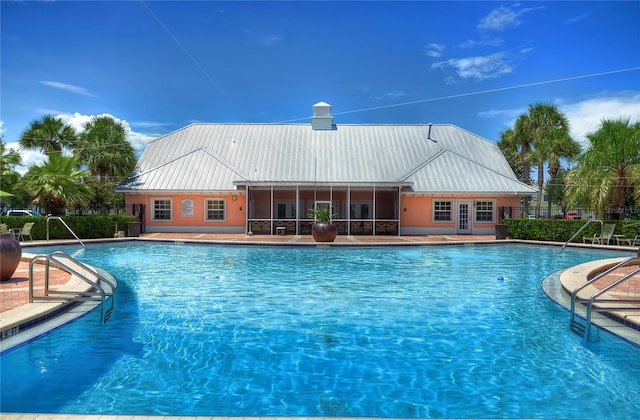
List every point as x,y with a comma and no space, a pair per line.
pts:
481,92
206,74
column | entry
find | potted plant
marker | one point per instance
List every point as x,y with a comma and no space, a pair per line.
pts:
323,229
10,254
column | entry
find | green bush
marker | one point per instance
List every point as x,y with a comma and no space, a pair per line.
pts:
559,230
86,227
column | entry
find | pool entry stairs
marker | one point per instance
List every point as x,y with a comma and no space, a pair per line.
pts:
600,300
94,285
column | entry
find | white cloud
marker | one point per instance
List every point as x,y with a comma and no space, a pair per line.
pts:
388,95
577,18
77,121
484,42
503,18
479,67
2,129
586,116
66,87
267,40
434,50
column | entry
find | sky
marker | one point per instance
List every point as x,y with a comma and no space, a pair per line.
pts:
158,66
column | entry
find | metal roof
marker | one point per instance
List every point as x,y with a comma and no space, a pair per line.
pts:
219,157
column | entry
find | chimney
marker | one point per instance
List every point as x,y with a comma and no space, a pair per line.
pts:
321,118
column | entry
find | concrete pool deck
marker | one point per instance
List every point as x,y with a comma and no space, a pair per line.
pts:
14,294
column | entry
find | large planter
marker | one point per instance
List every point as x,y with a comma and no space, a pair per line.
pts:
324,232
10,253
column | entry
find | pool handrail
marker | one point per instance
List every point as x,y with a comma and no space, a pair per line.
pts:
100,294
593,300
574,294
581,229
49,217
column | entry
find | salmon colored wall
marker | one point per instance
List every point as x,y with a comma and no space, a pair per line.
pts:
234,216
418,214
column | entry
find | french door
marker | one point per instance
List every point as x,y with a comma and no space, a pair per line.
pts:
465,209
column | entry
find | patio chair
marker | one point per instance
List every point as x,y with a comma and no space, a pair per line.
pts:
24,231
606,234
629,241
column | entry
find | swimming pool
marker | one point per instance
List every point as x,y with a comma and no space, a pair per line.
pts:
429,331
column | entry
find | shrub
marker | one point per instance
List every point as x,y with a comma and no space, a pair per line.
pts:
86,227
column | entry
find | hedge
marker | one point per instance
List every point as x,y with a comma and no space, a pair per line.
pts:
560,230
86,227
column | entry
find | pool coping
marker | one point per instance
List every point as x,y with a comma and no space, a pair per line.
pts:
560,297
31,320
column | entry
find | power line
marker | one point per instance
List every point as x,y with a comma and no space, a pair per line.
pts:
206,74
482,92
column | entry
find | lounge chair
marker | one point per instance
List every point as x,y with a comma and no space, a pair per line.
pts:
606,234
629,241
24,231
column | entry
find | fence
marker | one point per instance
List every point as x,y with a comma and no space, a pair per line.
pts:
557,212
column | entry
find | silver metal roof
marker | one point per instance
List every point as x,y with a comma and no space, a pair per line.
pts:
220,157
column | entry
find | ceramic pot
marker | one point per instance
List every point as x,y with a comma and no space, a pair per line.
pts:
324,232
10,253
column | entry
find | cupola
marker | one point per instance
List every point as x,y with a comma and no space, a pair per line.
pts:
321,118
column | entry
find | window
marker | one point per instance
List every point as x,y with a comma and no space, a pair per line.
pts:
442,211
187,208
161,209
484,211
215,210
360,209
285,209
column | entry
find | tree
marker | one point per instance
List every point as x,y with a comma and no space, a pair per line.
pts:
547,130
511,151
48,135
516,147
555,145
9,159
104,148
608,172
57,183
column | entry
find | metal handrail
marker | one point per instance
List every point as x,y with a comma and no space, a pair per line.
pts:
593,298
581,229
65,225
100,295
84,266
574,294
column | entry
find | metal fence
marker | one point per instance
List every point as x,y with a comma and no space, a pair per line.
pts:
557,212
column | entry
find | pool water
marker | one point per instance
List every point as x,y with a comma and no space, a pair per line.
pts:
431,331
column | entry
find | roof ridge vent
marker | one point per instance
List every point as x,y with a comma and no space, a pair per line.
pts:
321,118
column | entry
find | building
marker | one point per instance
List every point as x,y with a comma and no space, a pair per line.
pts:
378,179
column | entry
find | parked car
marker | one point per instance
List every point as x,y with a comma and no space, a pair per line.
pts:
23,213
571,215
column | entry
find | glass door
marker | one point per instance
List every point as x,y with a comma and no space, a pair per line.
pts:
464,216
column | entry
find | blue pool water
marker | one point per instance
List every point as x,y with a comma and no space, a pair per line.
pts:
448,331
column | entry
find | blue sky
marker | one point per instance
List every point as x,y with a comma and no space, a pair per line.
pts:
161,65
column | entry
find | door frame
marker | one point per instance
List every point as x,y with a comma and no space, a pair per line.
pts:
464,219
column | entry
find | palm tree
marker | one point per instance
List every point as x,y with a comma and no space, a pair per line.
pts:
9,159
554,146
516,147
57,183
543,126
48,135
608,173
104,148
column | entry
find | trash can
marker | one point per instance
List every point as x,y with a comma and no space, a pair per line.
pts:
501,232
133,228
